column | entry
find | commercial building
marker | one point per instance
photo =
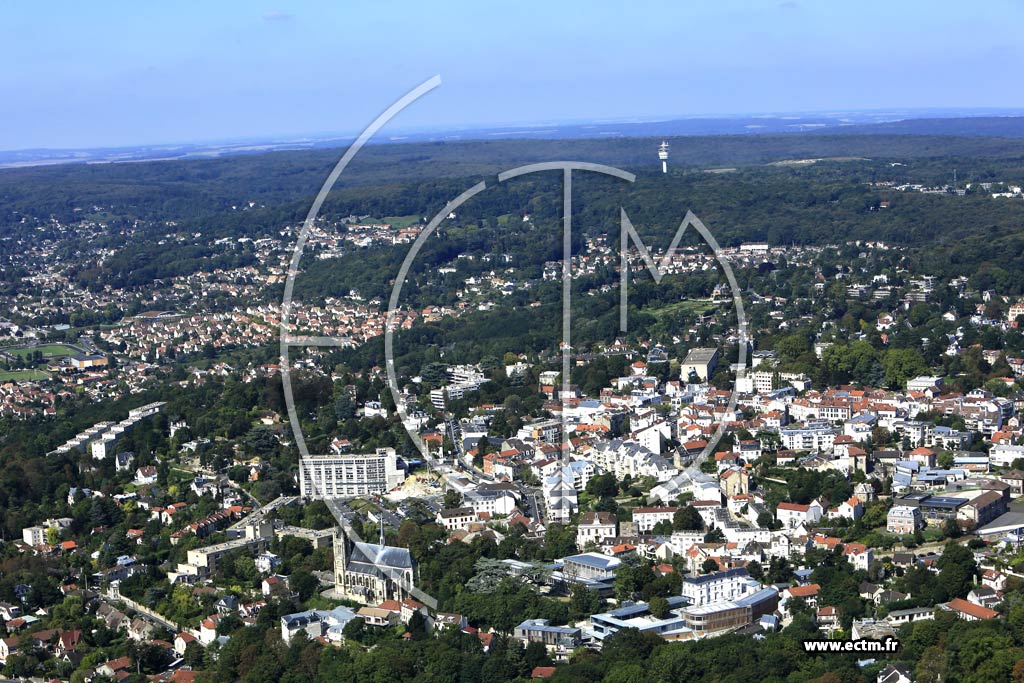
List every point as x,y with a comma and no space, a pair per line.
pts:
81,361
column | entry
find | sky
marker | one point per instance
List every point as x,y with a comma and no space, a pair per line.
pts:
88,74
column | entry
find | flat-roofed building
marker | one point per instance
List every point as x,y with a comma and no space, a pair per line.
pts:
355,474
646,518
81,361
560,640
727,614
718,586
590,566
699,362
639,616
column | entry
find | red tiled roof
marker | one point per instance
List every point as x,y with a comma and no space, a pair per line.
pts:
969,608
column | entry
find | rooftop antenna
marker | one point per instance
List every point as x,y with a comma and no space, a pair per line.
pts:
663,155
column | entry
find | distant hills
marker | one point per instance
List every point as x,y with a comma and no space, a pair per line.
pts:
975,126
965,123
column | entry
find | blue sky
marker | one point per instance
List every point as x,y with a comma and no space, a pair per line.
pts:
83,74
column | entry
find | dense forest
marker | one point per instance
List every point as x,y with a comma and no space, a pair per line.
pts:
756,199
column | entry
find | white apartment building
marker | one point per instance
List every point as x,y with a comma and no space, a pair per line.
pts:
1003,455
489,502
813,437
34,535
646,518
356,474
456,518
729,584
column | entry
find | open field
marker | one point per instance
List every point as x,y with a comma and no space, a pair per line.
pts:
48,350
401,222
687,307
22,375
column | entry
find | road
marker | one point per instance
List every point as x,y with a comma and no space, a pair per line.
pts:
142,612
258,512
531,502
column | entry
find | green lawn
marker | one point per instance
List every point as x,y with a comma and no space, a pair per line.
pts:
48,350
679,308
179,476
363,505
401,222
22,375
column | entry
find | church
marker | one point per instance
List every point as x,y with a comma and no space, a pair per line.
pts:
371,573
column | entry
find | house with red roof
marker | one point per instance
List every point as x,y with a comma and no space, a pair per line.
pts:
851,508
792,515
925,456
859,555
808,593
968,611
181,641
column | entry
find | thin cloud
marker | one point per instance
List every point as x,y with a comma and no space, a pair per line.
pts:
789,5
277,15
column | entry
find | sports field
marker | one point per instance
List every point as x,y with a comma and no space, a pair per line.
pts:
48,350
21,375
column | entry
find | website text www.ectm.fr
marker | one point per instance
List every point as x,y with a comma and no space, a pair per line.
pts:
887,645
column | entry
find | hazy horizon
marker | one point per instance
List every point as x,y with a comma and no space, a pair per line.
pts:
121,74
397,134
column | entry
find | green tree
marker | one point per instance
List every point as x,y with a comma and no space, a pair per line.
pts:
452,499
602,486
687,518
957,570
304,584
658,606
902,364
714,536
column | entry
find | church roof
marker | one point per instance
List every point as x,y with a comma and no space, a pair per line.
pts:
384,556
